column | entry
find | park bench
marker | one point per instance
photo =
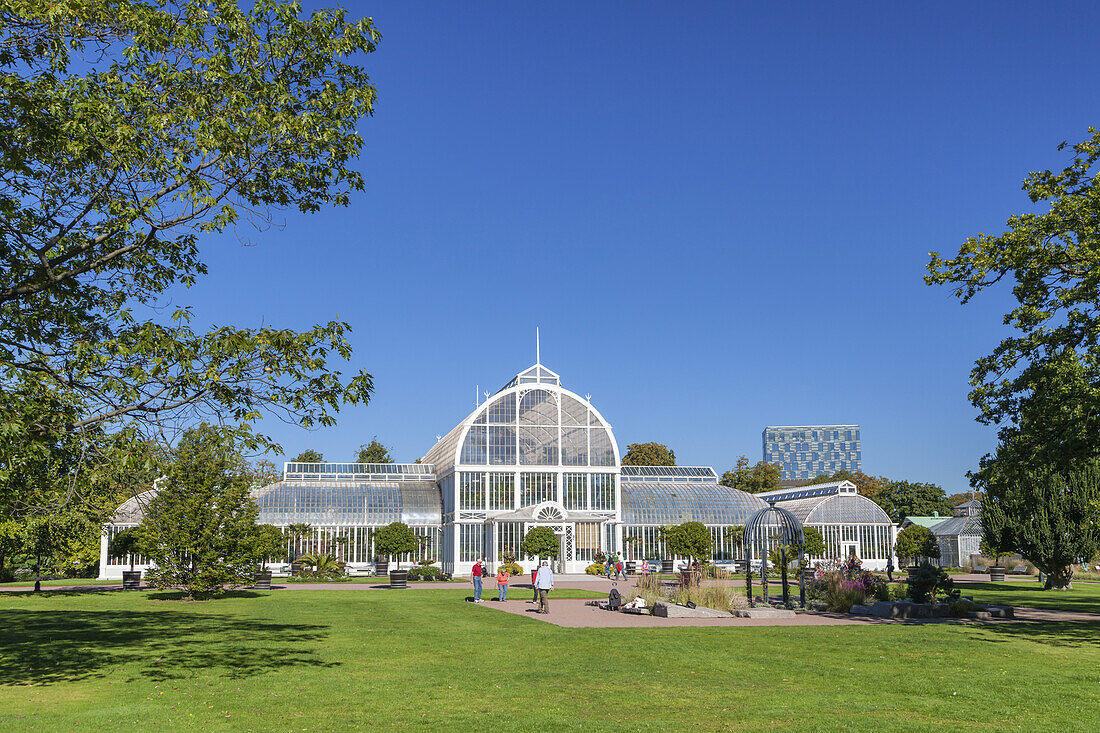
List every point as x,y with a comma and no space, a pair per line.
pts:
1019,570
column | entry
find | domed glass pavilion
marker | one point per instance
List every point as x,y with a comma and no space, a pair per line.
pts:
533,454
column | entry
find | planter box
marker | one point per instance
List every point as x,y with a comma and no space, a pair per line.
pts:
382,567
262,581
131,579
996,575
399,578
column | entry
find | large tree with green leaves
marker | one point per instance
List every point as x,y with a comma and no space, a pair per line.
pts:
916,542
131,130
1041,384
374,452
200,528
649,454
901,499
762,476
308,456
1052,519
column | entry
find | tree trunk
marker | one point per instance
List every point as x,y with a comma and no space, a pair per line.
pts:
1059,579
38,574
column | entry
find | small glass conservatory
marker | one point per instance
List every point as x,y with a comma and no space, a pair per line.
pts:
850,524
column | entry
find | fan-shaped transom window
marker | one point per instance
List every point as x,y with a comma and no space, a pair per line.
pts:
539,427
549,514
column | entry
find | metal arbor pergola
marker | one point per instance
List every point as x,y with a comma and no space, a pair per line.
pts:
773,526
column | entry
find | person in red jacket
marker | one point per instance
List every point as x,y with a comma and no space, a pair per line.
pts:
476,577
534,577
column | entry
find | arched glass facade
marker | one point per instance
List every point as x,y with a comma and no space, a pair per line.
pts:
537,427
533,454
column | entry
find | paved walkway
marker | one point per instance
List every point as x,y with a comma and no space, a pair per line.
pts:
573,613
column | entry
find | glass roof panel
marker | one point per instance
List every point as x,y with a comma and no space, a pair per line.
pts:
674,502
669,471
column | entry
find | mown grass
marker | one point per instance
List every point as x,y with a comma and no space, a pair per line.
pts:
1083,596
348,659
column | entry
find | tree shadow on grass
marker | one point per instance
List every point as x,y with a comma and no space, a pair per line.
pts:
1034,596
46,646
1062,633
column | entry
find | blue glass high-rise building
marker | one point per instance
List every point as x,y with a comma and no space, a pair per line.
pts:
806,451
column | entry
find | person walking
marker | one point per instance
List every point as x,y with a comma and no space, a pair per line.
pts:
476,577
645,573
534,585
502,584
619,568
607,568
890,570
544,584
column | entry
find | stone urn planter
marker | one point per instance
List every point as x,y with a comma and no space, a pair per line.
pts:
262,581
996,574
399,578
131,579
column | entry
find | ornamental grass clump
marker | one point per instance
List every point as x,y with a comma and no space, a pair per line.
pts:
840,593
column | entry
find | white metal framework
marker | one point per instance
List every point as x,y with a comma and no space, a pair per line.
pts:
533,454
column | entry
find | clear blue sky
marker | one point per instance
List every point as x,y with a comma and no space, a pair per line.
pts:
719,215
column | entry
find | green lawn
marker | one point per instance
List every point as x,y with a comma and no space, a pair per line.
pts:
1083,597
338,660
368,579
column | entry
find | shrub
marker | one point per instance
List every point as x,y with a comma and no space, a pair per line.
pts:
425,572
928,582
324,567
512,568
898,592
961,607
596,568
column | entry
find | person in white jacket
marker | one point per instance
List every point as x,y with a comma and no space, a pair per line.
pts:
544,582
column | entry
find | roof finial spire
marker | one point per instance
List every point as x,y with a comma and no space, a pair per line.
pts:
538,355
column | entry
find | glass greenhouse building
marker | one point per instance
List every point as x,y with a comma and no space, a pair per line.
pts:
850,524
533,454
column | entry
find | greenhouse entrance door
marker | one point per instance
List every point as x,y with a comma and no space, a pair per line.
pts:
849,549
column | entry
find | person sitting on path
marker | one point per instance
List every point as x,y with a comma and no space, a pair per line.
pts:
544,584
502,584
475,576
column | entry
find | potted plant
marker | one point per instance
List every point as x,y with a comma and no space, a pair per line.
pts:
396,538
125,544
996,552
